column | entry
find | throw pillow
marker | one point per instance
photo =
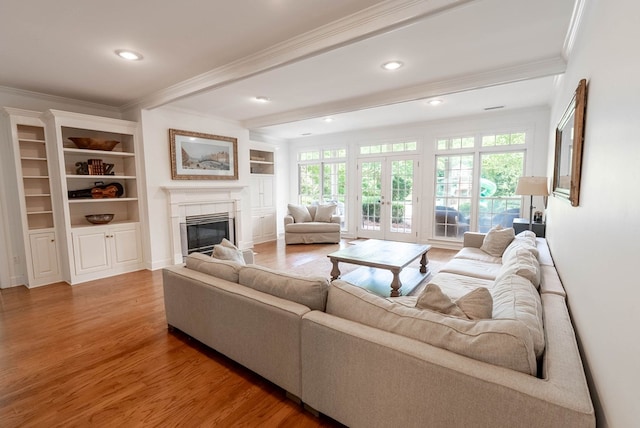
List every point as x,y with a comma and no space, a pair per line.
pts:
300,213
434,299
497,240
324,213
227,251
476,305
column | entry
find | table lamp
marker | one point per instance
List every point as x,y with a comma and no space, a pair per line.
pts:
532,186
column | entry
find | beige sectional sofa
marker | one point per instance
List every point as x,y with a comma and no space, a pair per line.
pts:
370,361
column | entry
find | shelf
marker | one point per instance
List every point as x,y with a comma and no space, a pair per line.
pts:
36,176
31,140
94,153
93,201
39,212
261,162
38,195
33,158
94,226
103,177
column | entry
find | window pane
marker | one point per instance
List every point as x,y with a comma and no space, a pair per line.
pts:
498,204
454,184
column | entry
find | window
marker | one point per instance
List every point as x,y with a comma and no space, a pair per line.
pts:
322,178
476,178
376,149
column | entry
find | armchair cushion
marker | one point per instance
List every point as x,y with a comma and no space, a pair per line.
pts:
300,213
324,213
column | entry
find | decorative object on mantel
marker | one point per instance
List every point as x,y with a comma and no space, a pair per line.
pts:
94,143
569,143
99,218
99,191
198,156
532,186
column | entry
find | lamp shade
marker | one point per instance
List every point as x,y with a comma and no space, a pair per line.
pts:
535,186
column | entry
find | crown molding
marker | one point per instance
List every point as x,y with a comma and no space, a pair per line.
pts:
514,73
48,98
377,19
574,26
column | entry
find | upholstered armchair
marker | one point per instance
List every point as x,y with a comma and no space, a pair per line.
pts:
311,224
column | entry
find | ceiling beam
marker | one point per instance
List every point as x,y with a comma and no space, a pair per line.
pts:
499,76
380,18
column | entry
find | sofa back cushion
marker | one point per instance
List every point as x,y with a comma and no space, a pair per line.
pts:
523,262
505,342
310,291
223,269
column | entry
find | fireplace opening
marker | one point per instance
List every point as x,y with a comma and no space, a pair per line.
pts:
199,233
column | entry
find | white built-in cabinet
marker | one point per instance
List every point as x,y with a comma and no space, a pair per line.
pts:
34,178
263,209
94,251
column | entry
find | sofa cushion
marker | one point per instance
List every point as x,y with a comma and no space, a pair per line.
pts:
471,253
505,343
227,251
497,240
312,227
522,262
515,298
223,269
300,213
472,268
519,244
474,305
324,213
456,286
310,291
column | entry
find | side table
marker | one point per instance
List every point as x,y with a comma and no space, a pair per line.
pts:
522,224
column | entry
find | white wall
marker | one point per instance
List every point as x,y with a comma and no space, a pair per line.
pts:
155,130
596,245
11,245
534,120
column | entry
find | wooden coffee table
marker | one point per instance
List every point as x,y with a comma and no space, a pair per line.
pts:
384,264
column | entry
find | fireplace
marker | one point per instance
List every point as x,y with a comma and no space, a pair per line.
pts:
199,233
204,202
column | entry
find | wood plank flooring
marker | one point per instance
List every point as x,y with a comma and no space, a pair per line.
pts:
99,354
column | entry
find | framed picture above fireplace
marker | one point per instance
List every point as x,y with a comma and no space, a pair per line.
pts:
198,156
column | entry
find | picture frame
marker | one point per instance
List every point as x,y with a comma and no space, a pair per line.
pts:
569,146
199,156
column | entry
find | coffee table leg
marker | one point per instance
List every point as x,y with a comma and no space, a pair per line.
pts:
395,284
335,271
423,263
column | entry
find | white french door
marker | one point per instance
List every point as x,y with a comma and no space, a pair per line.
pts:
386,201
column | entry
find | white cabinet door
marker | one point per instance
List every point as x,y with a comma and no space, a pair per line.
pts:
44,255
91,251
103,248
269,229
125,245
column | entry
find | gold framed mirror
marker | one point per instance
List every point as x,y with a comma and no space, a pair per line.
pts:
569,144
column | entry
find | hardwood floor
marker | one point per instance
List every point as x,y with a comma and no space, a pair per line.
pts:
100,354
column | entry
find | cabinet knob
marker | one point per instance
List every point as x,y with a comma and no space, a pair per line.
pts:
53,240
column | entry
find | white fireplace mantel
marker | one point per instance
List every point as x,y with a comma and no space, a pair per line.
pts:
198,200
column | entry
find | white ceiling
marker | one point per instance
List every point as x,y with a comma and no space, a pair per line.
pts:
311,59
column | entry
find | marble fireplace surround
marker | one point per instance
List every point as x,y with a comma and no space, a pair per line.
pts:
188,201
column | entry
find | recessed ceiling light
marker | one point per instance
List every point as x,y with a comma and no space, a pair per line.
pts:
129,55
328,119
262,99
494,108
306,134
435,102
392,65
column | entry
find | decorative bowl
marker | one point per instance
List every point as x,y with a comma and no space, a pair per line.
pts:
94,143
99,218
